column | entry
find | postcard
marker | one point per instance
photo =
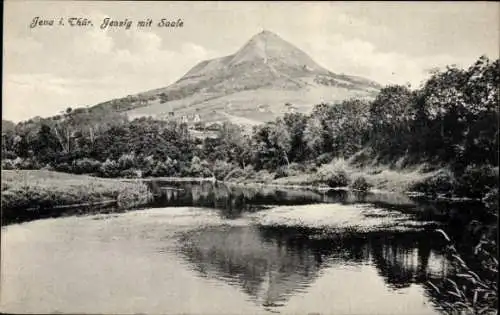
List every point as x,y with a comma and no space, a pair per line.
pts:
250,157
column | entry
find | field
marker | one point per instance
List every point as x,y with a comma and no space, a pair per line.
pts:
265,104
30,191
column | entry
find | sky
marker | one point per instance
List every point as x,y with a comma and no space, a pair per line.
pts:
49,68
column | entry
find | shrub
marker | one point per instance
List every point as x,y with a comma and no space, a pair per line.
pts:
333,174
127,161
199,168
130,173
282,171
296,168
324,159
133,196
310,168
442,182
222,169
491,200
8,164
109,169
238,174
147,165
361,184
262,176
63,167
25,164
86,166
290,170
47,167
9,155
338,179
477,180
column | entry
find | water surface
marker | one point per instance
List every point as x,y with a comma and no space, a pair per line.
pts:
214,249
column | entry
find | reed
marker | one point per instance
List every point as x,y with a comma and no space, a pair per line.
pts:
472,292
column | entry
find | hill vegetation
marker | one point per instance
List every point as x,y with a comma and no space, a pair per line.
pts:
447,129
267,70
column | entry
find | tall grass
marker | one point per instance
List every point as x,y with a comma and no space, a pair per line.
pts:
342,172
471,292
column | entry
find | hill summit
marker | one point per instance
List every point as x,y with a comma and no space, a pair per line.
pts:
265,52
252,85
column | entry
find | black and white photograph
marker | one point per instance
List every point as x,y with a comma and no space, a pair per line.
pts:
213,157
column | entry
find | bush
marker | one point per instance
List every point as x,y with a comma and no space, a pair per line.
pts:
333,174
223,168
477,180
282,171
361,184
86,166
127,161
310,168
338,179
9,155
491,200
130,173
8,164
199,168
109,168
324,158
296,168
147,165
47,167
133,196
63,167
443,182
262,176
290,170
238,174
25,164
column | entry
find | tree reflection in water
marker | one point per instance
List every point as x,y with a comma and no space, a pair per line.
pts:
272,264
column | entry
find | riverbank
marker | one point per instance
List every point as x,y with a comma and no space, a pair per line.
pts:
33,194
476,182
27,193
341,173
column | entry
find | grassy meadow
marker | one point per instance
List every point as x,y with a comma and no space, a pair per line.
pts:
25,191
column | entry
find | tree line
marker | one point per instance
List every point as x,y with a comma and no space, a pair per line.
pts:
450,121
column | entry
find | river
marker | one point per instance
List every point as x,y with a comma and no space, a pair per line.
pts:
214,249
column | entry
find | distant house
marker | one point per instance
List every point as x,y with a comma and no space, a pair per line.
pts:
197,118
184,119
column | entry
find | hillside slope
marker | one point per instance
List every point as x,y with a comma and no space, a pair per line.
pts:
258,80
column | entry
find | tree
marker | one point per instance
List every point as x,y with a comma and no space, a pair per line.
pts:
313,136
46,144
296,124
279,137
390,115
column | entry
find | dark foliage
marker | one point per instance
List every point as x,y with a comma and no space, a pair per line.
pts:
451,121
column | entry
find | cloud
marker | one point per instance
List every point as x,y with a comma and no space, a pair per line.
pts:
91,43
359,57
47,70
16,45
92,62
